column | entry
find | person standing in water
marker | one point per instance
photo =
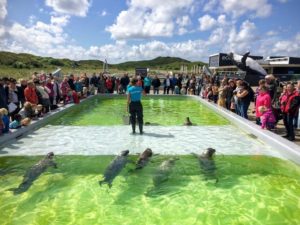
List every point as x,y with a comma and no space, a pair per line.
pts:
134,105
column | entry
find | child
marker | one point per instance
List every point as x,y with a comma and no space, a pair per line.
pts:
25,122
5,120
16,123
267,118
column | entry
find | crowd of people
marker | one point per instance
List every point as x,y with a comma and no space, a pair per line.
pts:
26,100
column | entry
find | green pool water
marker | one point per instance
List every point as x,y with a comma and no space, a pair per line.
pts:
158,110
241,190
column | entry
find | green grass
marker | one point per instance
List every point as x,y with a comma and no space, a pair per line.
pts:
24,65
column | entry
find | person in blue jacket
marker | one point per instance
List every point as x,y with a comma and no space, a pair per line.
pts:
134,105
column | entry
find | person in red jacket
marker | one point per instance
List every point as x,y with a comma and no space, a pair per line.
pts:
289,104
109,85
30,93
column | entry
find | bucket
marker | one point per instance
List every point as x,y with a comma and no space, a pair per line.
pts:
126,119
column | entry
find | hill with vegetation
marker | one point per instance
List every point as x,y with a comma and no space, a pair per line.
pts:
22,64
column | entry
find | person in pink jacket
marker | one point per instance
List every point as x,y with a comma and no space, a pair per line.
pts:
263,99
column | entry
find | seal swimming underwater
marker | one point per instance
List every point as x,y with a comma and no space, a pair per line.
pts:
207,164
34,172
164,171
144,159
114,168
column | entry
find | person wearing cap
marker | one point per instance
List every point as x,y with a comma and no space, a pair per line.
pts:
134,105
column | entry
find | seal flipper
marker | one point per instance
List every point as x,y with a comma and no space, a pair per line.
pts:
243,60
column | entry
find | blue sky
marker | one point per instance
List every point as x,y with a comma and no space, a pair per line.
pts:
144,29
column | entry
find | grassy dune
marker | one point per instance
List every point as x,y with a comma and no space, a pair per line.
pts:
24,65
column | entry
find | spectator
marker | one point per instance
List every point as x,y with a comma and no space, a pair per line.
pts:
244,99
2,126
13,100
30,93
3,95
5,120
71,82
263,99
267,118
156,84
147,84
289,106
21,96
50,86
16,123
124,83
109,85
167,84
65,88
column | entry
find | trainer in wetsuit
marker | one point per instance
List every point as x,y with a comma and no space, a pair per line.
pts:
134,105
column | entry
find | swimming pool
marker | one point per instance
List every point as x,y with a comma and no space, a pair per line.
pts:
251,182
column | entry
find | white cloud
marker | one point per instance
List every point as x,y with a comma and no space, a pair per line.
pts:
237,8
3,11
277,46
206,22
287,47
244,39
222,19
210,6
2,30
39,38
60,21
183,21
217,37
272,33
103,13
72,7
32,19
148,18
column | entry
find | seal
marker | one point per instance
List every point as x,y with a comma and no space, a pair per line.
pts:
34,172
164,171
207,164
114,168
188,122
144,159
